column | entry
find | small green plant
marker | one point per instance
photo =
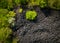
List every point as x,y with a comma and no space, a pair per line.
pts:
33,2
20,10
31,15
11,14
43,3
6,17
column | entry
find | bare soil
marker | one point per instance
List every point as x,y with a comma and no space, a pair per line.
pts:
45,29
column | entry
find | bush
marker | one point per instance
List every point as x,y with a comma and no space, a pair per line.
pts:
20,10
23,2
4,33
31,15
55,4
8,4
41,3
20,2
5,17
17,2
11,14
5,20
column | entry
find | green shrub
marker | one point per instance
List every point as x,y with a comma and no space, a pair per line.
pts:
41,3
17,2
11,19
3,3
55,4
5,17
33,2
31,15
20,2
3,11
20,10
10,4
6,4
5,20
23,1
4,33
11,14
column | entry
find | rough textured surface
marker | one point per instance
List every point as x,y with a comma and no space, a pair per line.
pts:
42,30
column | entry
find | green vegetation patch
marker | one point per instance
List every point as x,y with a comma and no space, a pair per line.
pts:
8,4
4,33
31,15
5,17
41,3
55,4
5,20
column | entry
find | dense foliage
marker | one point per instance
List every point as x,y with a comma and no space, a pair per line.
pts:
31,15
41,3
6,4
4,34
7,14
5,20
55,4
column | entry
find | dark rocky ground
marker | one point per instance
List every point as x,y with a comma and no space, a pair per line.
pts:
45,29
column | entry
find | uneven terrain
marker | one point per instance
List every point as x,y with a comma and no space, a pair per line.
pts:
45,29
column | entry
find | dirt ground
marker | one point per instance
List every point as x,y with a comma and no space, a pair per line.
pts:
45,29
